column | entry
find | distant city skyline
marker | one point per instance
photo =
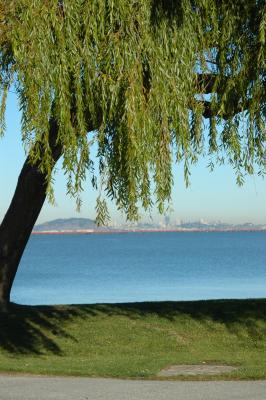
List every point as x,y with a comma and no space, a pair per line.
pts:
211,196
87,225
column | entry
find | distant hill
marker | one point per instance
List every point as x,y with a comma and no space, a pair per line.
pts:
72,224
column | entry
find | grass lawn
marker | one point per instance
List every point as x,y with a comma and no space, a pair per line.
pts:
135,339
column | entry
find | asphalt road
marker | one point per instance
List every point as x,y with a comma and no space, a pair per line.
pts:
46,388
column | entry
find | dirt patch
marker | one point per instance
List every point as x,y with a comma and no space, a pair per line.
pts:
192,370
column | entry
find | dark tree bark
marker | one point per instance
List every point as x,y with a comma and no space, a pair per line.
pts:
21,216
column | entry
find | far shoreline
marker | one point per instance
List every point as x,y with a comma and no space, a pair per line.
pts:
116,231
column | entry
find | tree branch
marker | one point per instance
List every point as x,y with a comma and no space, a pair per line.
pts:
209,112
206,82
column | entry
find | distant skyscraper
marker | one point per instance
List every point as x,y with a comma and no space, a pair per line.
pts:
166,220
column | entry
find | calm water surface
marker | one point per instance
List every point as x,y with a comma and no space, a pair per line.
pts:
141,266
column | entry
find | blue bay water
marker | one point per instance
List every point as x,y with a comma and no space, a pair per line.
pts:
97,268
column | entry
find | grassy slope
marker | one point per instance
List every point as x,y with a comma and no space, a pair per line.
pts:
135,340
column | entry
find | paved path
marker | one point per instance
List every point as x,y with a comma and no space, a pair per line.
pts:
44,388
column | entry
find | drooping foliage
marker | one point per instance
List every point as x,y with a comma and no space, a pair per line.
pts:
141,76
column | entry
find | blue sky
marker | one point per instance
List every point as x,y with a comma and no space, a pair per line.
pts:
211,196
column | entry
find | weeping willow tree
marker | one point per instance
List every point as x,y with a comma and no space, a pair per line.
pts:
141,79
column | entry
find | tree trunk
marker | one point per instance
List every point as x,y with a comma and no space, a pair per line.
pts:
21,216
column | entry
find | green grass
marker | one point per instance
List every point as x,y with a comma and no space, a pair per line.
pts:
136,339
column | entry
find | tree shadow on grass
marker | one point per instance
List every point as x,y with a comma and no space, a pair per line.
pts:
33,330
36,329
240,317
